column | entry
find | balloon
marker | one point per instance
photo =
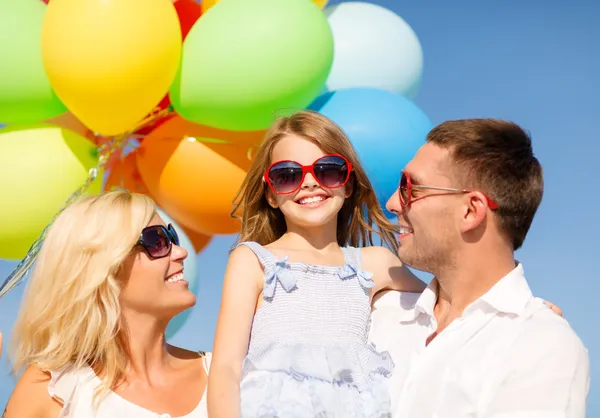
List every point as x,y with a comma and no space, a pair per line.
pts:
200,241
40,167
247,60
25,92
190,273
69,121
188,12
111,61
125,175
194,178
207,4
374,47
385,128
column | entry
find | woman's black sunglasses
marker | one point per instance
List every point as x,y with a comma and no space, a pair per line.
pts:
158,240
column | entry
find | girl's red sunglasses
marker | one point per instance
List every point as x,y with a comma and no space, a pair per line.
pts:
330,171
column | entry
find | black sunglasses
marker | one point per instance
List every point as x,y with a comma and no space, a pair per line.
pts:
158,240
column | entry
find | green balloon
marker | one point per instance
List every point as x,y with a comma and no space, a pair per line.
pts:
25,92
246,62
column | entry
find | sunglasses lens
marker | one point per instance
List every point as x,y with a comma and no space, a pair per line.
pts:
403,189
173,235
285,176
331,171
155,241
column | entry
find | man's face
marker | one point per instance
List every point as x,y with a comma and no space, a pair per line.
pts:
429,231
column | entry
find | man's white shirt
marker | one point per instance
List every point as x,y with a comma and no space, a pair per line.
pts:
507,356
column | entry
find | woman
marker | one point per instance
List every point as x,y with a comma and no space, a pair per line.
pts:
91,331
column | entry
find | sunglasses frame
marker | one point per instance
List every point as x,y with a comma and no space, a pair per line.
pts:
308,169
448,191
169,232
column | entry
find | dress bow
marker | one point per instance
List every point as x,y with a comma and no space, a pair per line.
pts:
278,272
365,278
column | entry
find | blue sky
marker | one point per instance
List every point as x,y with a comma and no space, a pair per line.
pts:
536,63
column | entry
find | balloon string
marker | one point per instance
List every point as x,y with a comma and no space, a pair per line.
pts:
105,151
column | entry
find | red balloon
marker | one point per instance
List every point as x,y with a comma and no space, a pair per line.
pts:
189,12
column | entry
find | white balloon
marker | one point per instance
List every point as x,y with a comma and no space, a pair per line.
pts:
190,273
373,47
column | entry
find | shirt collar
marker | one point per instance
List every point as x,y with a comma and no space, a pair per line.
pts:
509,295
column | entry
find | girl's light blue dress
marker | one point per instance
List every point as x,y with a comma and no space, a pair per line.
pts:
309,354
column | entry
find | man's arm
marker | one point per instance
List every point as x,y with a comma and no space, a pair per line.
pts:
546,374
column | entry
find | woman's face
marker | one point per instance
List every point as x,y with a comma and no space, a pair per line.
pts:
155,286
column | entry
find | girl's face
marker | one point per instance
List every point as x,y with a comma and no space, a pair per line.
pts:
312,204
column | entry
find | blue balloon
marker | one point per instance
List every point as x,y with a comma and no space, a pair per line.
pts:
385,128
190,273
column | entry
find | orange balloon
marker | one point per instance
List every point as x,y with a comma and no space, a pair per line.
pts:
199,241
194,172
124,174
69,121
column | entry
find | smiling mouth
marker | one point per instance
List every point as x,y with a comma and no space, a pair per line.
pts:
405,230
308,200
177,277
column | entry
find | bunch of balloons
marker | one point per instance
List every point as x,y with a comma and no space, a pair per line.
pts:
185,89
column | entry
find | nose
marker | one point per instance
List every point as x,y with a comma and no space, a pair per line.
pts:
178,253
309,182
393,204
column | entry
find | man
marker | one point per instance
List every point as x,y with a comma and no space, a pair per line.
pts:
475,343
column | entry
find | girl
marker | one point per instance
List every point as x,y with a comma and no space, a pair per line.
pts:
297,293
91,329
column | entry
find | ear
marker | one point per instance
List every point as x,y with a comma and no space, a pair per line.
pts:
271,199
475,211
349,188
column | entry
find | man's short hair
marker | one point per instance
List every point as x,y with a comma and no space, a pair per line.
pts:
496,157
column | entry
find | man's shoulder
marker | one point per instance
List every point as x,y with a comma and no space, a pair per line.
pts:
545,329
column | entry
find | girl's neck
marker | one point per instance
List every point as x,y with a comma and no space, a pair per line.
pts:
320,238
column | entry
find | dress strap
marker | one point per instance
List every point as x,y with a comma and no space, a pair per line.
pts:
276,271
266,257
353,257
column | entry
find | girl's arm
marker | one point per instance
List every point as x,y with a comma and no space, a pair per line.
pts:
30,398
389,273
241,288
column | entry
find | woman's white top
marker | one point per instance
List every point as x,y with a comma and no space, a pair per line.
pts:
76,390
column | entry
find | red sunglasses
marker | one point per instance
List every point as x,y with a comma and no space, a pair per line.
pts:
406,187
330,171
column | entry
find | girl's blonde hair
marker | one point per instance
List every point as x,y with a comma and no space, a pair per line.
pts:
70,315
264,224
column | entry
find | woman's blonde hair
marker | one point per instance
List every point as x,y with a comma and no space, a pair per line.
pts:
70,315
264,224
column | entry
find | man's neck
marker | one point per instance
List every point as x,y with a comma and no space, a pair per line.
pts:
467,281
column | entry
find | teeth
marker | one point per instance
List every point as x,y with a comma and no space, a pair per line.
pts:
312,199
405,230
177,277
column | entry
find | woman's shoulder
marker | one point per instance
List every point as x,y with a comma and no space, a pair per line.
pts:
33,395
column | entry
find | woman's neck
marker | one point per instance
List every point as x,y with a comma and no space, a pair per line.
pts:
148,350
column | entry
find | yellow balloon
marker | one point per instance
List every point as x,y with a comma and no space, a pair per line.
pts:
111,61
207,4
40,167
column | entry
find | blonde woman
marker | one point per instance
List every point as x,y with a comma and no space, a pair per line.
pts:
90,333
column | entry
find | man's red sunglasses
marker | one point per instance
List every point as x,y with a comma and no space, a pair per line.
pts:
406,187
